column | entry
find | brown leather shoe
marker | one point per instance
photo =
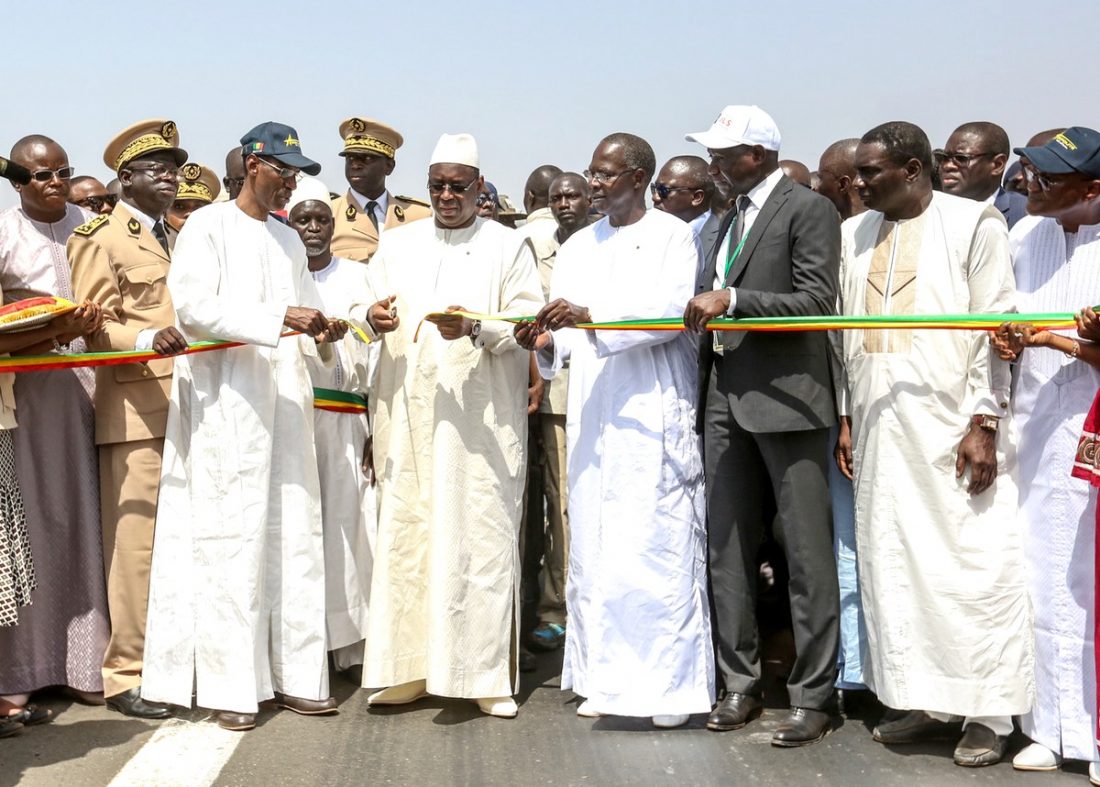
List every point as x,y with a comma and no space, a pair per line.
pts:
238,722
979,746
802,727
734,712
306,707
914,727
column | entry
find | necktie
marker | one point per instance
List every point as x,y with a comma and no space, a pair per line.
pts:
372,206
161,235
737,234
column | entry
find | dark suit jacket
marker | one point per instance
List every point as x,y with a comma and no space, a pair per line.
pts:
1012,206
779,382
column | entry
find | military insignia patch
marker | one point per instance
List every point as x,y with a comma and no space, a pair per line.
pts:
358,126
350,213
168,130
399,212
134,226
88,227
191,171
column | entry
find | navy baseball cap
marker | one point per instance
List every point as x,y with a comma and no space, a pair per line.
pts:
280,142
1076,149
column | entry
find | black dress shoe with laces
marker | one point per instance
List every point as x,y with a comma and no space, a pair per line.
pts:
130,703
802,727
734,712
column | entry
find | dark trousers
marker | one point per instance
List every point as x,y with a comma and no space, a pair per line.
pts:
743,470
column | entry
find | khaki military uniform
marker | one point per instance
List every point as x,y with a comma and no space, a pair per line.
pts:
117,263
354,235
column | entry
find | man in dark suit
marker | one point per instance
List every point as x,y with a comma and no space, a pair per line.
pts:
972,165
767,405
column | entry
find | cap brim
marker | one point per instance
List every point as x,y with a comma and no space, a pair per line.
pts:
1045,160
713,140
297,160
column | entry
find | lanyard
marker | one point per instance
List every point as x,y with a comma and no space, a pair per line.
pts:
732,256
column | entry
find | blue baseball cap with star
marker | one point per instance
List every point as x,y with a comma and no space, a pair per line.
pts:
280,142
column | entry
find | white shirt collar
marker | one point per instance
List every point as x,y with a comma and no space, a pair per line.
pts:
383,203
759,193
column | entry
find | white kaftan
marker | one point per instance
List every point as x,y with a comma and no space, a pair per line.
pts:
1056,272
638,641
237,590
450,437
941,572
347,499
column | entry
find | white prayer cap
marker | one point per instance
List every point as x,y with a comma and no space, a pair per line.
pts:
308,188
455,149
739,125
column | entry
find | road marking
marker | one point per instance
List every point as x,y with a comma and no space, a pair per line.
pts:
181,753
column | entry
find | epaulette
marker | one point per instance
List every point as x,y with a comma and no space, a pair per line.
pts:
88,227
413,200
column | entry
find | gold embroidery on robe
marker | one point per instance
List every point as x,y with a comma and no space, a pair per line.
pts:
902,243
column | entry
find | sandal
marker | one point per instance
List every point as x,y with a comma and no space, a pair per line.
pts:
27,715
8,727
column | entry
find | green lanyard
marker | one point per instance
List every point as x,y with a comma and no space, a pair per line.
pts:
732,256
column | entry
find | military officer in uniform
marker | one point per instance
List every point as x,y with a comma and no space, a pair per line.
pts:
198,186
120,261
368,209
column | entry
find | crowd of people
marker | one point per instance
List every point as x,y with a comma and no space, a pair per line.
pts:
428,454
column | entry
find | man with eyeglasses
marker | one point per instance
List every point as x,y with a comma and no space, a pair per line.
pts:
972,165
684,188
368,209
88,193
119,261
450,439
939,545
638,642
1056,256
234,172
766,406
61,637
237,585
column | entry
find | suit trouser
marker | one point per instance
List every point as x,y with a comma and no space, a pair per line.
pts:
741,466
555,565
129,476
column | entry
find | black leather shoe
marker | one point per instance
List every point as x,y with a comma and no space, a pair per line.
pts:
130,703
734,712
979,746
802,727
914,727
237,722
306,707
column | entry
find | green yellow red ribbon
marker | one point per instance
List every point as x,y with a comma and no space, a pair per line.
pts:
335,401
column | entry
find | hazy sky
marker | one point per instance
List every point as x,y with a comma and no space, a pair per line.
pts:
537,82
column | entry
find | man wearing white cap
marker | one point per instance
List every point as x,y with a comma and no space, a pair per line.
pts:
450,433
767,404
341,430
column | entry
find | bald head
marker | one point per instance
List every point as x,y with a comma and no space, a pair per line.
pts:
796,171
972,163
234,172
683,187
90,194
836,171
1043,137
536,192
32,146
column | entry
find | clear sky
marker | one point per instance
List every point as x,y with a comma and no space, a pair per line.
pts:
537,82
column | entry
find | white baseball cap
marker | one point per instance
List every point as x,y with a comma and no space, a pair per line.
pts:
739,125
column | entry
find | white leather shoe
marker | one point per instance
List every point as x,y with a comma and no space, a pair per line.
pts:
668,721
1094,773
584,710
1036,757
401,694
502,707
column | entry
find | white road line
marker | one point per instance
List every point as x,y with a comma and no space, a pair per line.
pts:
183,753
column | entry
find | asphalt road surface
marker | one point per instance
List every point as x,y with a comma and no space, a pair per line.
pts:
444,742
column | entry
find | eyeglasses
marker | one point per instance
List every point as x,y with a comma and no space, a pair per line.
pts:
604,178
662,191
229,182
95,204
485,199
454,188
1045,182
155,171
46,175
959,159
286,173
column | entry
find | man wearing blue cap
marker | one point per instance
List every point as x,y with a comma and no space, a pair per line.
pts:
1056,255
237,595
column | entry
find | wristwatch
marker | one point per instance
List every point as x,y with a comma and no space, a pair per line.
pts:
475,331
986,422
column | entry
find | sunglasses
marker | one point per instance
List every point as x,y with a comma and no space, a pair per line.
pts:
959,159
662,191
46,175
96,204
454,188
286,173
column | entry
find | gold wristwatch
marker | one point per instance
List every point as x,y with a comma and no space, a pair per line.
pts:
986,422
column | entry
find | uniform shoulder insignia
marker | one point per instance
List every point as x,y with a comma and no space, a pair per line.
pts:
350,213
90,226
134,226
414,201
